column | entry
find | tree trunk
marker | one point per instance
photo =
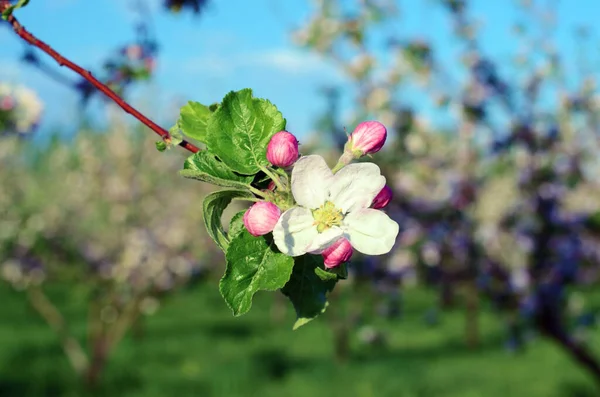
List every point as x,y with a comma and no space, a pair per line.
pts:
576,351
471,315
98,361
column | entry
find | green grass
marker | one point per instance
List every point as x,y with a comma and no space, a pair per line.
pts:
194,347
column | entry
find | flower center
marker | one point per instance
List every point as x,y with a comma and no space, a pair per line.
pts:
327,216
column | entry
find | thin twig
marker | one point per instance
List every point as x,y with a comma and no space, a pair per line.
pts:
62,61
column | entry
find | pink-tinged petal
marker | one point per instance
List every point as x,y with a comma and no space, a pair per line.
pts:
370,231
324,239
311,178
383,198
282,150
295,231
261,218
355,186
337,253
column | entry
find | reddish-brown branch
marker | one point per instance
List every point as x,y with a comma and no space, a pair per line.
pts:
62,61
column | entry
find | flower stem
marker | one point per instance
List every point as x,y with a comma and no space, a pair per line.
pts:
257,192
344,160
273,177
253,199
338,167
285,177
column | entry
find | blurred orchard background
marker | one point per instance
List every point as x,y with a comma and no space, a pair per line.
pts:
109,283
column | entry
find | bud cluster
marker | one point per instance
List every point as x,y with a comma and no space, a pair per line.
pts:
282,151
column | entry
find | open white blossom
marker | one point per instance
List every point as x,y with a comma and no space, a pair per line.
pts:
333,206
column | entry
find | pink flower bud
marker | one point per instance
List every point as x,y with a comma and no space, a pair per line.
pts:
270,188
337,253
368,137
150,64
7,103
282,150
383,198
134,52
261,218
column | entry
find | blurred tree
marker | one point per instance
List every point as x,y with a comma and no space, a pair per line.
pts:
492,203
98,217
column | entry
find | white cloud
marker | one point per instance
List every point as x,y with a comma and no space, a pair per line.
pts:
212,65
289,60
278,59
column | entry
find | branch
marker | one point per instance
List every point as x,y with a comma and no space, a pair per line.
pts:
62,61
75,353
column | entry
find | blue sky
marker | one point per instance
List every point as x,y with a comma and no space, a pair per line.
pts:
233,45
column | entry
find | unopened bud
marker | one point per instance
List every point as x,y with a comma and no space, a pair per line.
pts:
383,198
368,137
337,253
7,103
134,52
261,218
282,150
150,64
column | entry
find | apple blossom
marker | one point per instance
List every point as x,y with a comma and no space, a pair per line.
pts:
337,253
7,103
333,206
383,198
134,52
368,137
22,109
282,150
261,218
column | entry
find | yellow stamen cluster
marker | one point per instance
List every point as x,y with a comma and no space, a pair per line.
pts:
327,216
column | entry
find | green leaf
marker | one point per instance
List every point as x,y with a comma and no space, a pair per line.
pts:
324,275
252,265
161,146
306,290
240,129
341,271
10,9
236,226
193,118
206,167
213,207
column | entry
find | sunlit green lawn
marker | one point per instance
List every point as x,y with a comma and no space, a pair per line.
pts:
194,347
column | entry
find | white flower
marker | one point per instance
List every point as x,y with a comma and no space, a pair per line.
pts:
25,110
29,109
331,206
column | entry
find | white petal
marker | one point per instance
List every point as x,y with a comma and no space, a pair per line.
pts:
295,231
324,240
370,231
355,186
311,178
